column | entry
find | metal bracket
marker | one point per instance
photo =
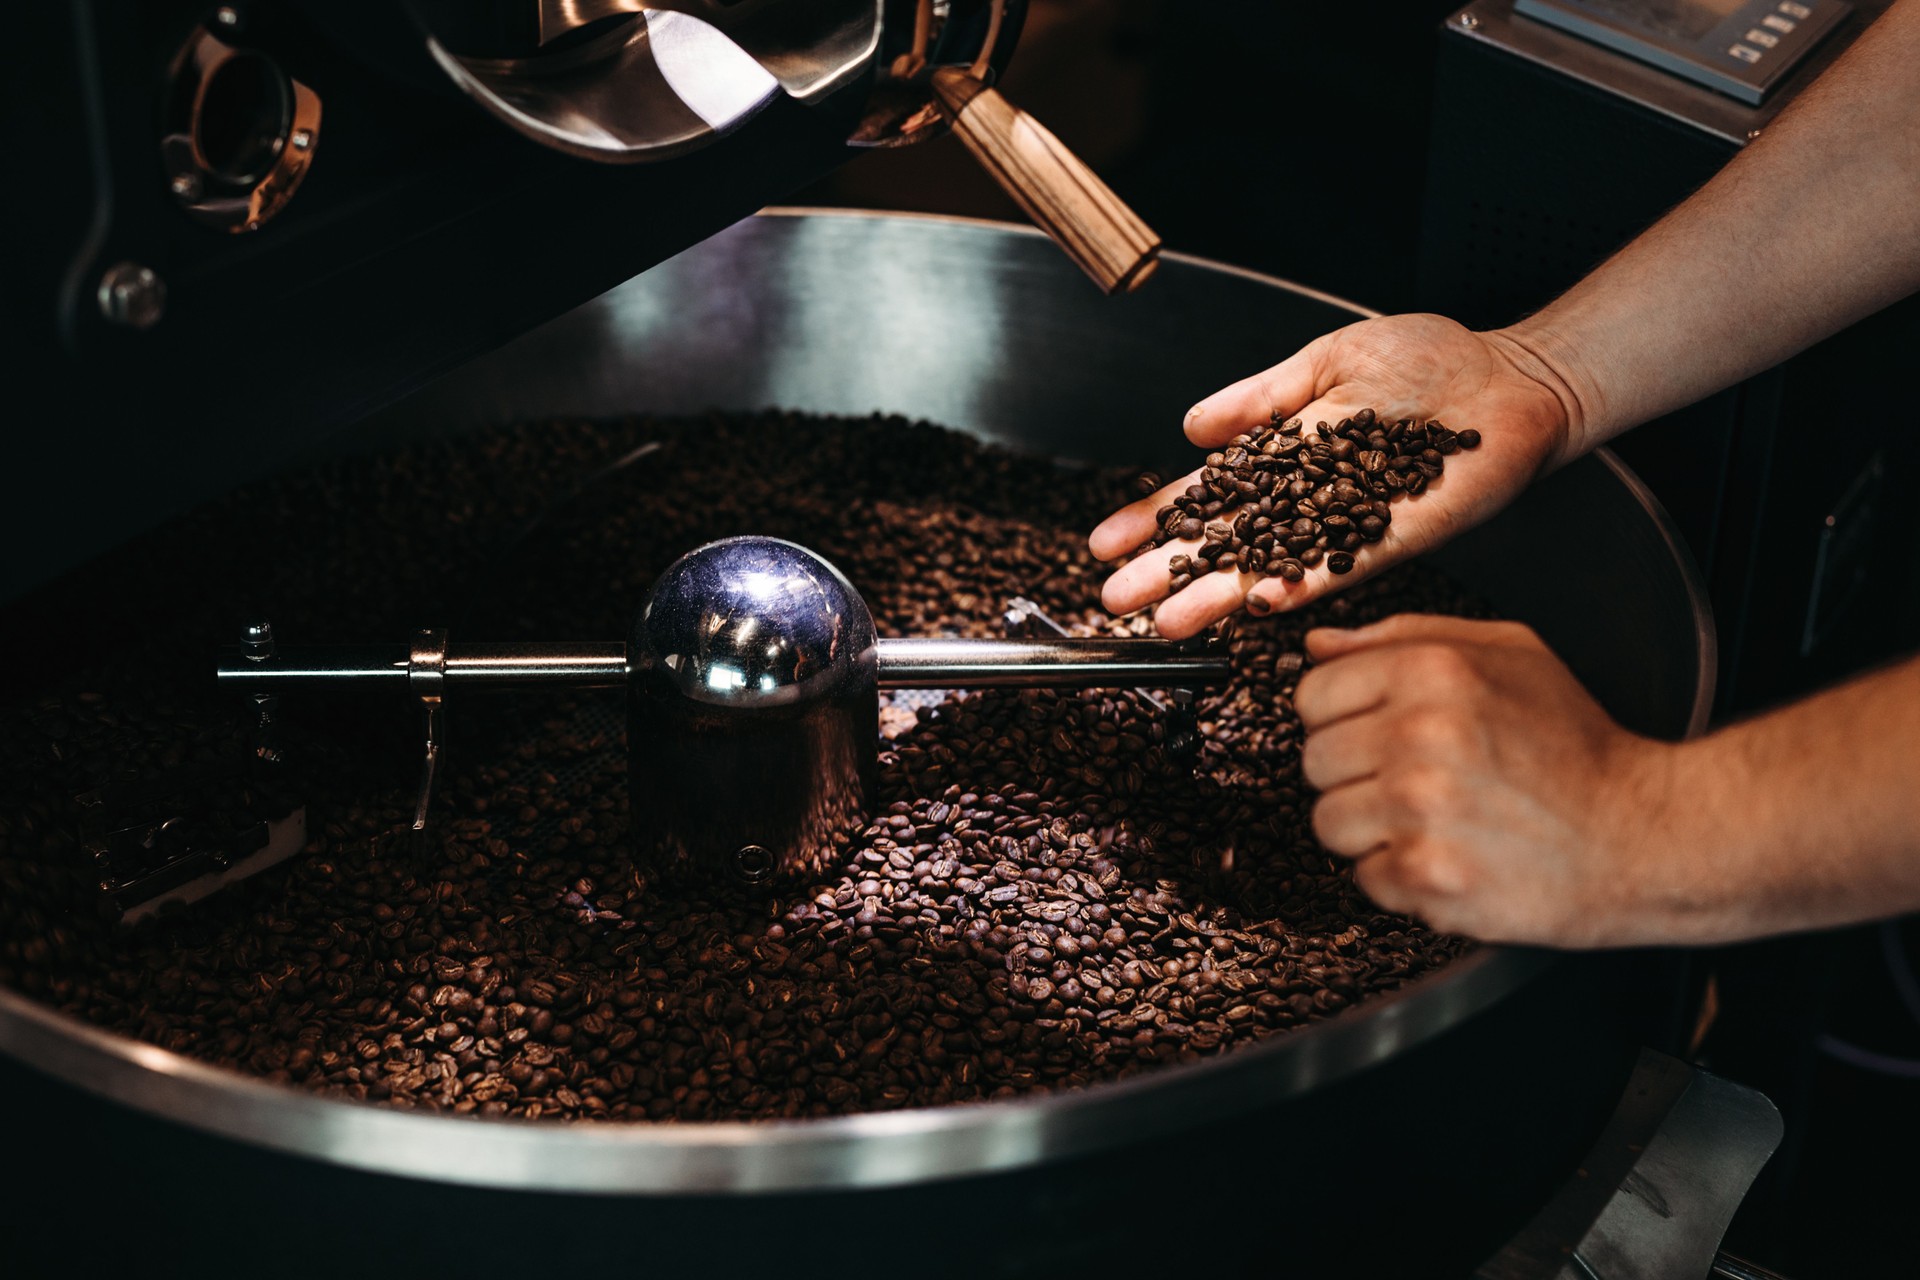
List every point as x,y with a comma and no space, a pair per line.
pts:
1022,618
427,680
1653,1197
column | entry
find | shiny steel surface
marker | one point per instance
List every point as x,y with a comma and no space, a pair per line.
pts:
811,47
985,327
1090,663
655,88
514,665
750,712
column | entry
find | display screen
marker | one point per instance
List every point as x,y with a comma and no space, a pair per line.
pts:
1685,20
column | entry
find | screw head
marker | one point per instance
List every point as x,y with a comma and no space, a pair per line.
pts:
227,16
753,863
302,139
132,295
1752,134
1469,20
257,643
186,186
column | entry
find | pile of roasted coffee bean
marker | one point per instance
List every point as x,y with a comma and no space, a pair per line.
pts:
1279,500
1042,899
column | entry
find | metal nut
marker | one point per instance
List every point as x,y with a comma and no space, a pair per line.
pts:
132,295
753,862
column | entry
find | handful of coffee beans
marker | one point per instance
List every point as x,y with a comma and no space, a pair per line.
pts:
1279,500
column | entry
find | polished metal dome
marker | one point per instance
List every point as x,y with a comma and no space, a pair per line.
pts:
753,623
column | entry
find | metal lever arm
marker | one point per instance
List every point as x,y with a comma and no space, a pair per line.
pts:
904,664
1058,663
469,666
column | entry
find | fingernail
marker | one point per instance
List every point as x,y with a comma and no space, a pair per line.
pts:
1193,415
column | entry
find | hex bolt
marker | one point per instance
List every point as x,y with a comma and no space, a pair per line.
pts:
132,295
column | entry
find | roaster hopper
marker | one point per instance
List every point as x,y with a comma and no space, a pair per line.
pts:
1410,1135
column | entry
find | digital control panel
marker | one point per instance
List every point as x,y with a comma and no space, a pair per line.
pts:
1742,48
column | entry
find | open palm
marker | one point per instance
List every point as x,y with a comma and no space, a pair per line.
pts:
1412,366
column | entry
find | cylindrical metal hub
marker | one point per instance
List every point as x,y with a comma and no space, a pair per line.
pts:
752,709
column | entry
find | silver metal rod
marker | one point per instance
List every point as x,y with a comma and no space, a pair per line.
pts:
472,666
1057,663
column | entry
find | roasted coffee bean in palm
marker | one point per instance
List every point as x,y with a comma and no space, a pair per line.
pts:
1333,485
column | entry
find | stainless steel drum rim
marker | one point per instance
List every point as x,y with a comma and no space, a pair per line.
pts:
877,1149
859,1151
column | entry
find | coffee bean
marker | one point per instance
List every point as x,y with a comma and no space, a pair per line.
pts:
1331,489
1036,901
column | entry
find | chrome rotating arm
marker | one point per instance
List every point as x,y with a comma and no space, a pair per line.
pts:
1058,663
430,666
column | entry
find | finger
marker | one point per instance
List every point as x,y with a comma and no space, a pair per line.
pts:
1209,599
1354,821
1137,523
1344,752
1276,594
1327,643
1384,878
1252,402
1144,579
1348,686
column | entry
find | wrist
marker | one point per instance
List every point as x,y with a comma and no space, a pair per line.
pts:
1538,351
1666,805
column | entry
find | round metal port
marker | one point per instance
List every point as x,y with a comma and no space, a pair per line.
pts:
240,133
241,122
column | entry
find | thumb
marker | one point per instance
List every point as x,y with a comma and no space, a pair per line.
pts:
1284,389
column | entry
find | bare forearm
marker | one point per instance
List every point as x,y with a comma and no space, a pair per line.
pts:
1804,818
1816,224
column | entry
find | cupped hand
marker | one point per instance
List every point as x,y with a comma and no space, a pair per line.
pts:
1483,790
1420,366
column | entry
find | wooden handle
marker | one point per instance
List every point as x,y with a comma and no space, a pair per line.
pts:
1065,199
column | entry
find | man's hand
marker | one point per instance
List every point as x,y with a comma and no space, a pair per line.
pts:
1400,366
1481,788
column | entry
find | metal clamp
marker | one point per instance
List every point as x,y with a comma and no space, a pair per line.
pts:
427,681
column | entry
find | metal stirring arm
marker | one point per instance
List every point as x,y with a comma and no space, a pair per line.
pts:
430,668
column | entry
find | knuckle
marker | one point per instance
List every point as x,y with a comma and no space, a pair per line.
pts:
1423,791
1430,732
1441,666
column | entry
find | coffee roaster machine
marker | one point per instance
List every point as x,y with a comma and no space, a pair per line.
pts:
1504,1113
